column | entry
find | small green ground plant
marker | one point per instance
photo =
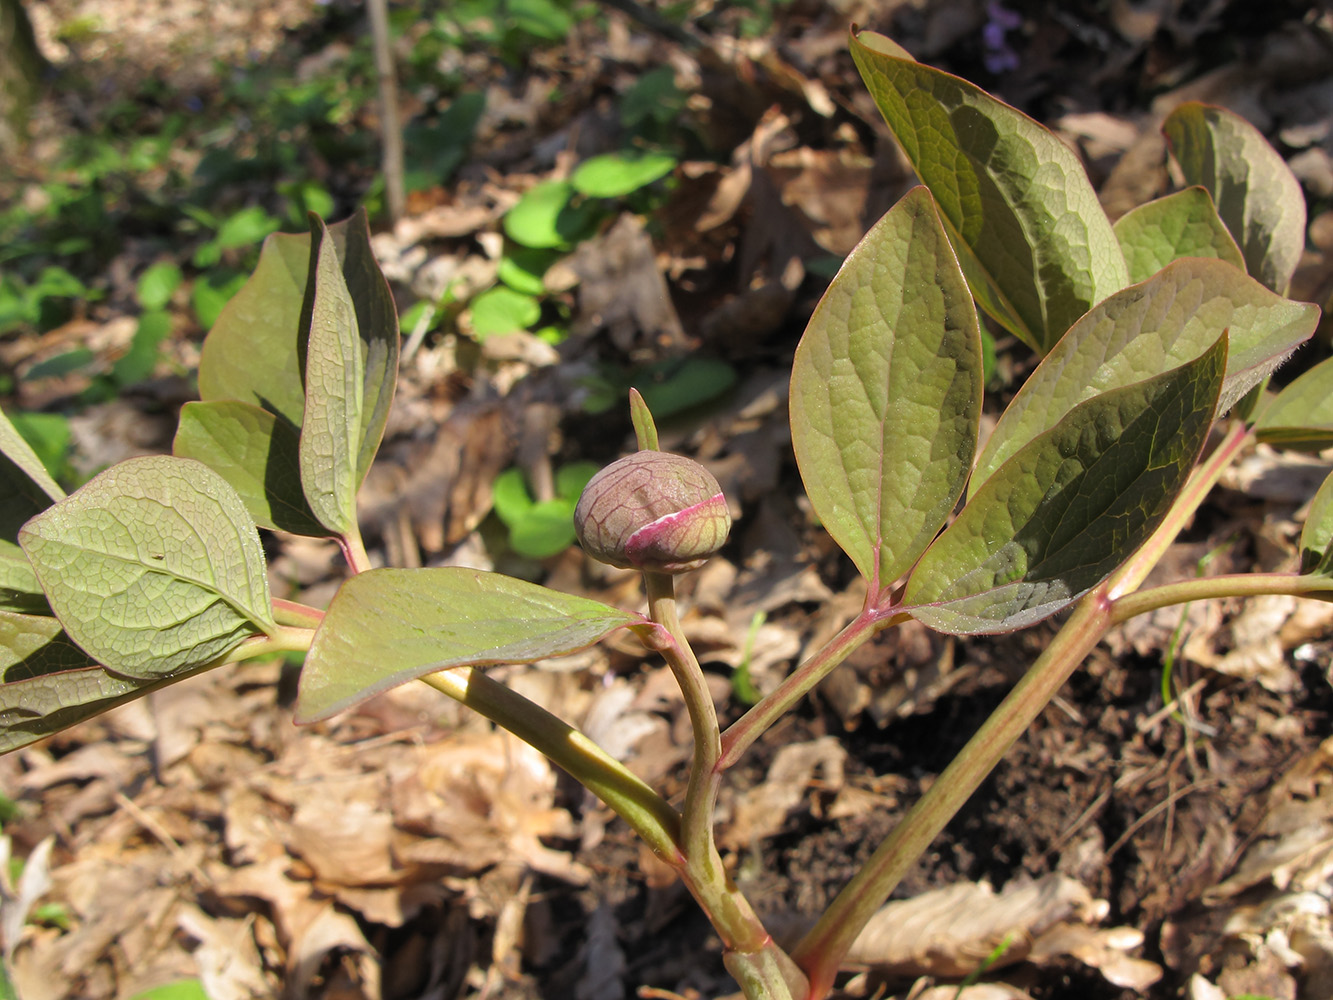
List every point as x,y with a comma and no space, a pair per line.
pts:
1157,334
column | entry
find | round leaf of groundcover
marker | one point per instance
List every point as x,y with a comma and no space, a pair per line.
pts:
502,310
547,217
1070,506
385,627
886,392
1146,329
153,567
614,175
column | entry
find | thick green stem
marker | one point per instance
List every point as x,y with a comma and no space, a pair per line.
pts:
742,733
294,613
354,550
1210,587
650,816
764,970
705,779
285,639
822,950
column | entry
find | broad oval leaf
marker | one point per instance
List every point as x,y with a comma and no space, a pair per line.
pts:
886,392
1256,194
385,627
1034,242
1070,506
255,353
153,567
252,353
257,454
1148,328
1302,414
334,390
1183,224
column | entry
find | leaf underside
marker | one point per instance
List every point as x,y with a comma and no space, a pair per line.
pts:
385,627
886,392
1070,506
1149,328
1302,414
153,567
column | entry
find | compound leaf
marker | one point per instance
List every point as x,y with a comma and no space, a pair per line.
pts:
886,392
1256,194
1070,506
257,453
1035,244
1302,414
388,626
1148,328
154,567
1183,224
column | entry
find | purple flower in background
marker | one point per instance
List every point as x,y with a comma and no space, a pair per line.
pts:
999,57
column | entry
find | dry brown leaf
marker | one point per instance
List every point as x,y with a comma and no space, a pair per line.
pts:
950,932
762,811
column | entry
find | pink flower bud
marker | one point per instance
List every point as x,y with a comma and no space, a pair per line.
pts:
652,511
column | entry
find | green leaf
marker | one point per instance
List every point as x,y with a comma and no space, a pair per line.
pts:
137,364
388,626
1302,414
546,530
1070,506
255,352
1031,236
1257,195
1184,224
26,489
157,284
153,567
47,683
181,989
614,175
547,217
335,387
510,498
524,269
377,323
678,384
21,463
212,293
257,453
570,479
502,310
1317,535
886,392
1147,328
251,353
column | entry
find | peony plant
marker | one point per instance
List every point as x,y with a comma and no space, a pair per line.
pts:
1157,334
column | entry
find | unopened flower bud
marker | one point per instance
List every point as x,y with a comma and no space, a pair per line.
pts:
652,511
